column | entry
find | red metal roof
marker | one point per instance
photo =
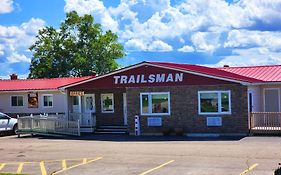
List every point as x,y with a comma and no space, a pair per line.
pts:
208,71
38,84
269,73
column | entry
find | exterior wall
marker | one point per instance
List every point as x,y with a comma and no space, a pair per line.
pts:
184,110
116,118
257,98
59,104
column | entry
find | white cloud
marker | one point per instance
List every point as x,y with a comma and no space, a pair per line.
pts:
159,46
20,37
250,57
32,26
141,45
15,58
246,38
186,48
1,50
205,41
267,11
15,41
6,6
135,45
148,21
94,7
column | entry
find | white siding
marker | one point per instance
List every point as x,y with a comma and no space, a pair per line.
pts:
59,103
257,98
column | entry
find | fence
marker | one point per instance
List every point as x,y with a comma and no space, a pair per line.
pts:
86,119
48,125
265,122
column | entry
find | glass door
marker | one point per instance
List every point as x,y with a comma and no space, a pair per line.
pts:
89,103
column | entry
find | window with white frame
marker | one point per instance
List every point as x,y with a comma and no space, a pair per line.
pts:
155,103
48,101
214,102
17,100
107,103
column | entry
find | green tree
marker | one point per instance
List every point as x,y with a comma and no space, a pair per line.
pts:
78,48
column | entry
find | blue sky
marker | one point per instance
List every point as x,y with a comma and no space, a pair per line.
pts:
206,32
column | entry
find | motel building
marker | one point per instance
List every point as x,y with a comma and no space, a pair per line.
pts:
154,98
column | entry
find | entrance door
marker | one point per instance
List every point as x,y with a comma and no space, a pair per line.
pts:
76,104
250,101
89,103
271,100
125,109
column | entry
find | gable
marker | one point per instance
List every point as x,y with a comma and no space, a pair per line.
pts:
147,75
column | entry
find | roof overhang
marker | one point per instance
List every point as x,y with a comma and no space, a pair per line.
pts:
31,90
154,65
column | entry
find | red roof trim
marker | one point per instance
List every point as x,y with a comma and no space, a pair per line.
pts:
38,84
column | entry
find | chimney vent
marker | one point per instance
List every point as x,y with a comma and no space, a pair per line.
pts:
226,65
14,77
93,73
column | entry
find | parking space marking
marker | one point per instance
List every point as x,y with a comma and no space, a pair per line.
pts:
2,166
74,166
249,169
63,164
43,169
20,168
84,160
158,167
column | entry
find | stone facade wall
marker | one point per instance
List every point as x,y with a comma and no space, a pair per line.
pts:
184,110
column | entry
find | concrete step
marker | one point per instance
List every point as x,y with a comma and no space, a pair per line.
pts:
111,127
108,132
111,130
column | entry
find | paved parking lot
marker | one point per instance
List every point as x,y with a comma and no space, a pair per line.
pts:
140,155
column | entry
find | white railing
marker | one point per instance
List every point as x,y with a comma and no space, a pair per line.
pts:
48,125
86,119
265,121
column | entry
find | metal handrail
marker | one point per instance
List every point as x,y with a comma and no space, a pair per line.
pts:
48,125
86,119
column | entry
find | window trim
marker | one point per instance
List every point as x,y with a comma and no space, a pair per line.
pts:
17,96
150,103
102,110
219,92
44,95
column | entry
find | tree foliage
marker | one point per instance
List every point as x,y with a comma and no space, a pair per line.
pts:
78,48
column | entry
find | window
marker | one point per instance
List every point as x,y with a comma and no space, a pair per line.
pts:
3,117
47,100
17,100
214,102
156,103
75,100
107,103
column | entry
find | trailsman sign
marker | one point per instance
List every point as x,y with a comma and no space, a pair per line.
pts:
150,78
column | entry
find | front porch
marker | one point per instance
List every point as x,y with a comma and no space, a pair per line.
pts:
265,123
98,110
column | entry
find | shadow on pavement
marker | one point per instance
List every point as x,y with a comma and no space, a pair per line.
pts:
128,138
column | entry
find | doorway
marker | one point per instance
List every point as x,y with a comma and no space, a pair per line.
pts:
89,103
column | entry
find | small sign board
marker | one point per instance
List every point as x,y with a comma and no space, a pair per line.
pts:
214,121
154,121
76,93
